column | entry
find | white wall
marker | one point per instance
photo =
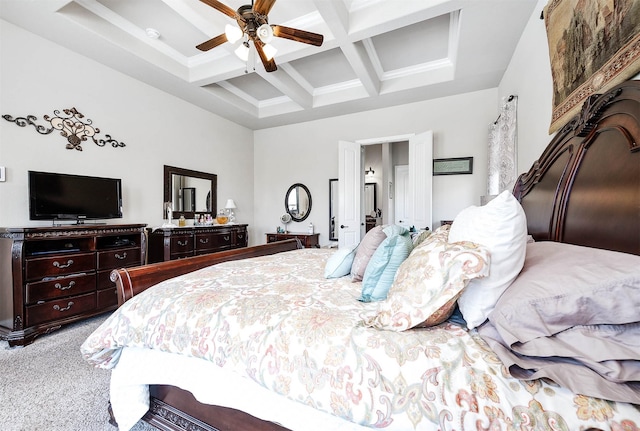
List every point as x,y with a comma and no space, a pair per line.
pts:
529,77
161,129
308,153
37,77
293,153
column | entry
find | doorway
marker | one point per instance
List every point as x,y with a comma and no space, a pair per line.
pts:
351,175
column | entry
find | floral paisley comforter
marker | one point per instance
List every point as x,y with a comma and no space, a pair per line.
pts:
276,320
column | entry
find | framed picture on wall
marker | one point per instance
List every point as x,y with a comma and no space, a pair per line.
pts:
453,166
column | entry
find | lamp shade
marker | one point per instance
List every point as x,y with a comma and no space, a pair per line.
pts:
233,33
269,51
265,33
242,51
230,204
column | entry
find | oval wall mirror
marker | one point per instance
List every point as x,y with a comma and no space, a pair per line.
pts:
297,202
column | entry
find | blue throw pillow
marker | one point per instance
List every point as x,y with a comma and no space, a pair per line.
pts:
381,269
339,264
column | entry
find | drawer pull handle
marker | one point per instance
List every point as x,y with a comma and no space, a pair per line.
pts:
227,237
61,287
204,240
63,265
57,307
240,236
183,243
121,257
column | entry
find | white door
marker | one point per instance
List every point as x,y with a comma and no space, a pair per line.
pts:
421,180
350,188
401,196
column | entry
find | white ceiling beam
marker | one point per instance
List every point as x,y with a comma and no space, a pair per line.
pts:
336,16
186,11
288,85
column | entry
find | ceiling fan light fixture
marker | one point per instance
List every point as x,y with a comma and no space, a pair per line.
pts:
233,33
269,51
265,33
243,51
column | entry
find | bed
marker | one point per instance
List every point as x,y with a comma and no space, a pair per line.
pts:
261,339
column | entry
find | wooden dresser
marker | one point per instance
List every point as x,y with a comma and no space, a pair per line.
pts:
308,240
179,242
50,276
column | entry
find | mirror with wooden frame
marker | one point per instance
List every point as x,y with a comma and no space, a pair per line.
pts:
333,209
370,204
297,202
190,192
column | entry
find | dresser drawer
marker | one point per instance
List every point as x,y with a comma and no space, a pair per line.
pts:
241,238
175,256
104,280
215,240
107,298
181,244
307,239
60,309
119,258
59,265
59,287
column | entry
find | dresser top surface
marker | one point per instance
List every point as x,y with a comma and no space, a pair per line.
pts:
76,229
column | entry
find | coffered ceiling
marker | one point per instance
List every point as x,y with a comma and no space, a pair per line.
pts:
376,53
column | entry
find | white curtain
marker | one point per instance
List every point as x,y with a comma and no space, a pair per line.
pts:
502,149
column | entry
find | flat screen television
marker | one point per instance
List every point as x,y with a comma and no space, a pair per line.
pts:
54,196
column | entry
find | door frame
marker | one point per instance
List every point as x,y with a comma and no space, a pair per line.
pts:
421,174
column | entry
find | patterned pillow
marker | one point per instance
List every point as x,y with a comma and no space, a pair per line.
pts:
418,237
365,250
429,282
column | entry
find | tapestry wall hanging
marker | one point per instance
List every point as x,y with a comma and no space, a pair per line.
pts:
593,46
72,126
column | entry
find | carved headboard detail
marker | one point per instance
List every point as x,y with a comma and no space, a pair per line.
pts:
585,188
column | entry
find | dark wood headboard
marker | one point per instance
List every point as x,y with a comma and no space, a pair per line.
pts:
585,187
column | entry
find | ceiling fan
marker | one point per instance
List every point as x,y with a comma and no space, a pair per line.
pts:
253,23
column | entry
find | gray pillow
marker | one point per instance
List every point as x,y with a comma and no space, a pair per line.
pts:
365,250
562,286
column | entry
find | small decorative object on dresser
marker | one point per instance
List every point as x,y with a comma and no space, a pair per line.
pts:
308,240
52,276
230,206
222,217
177,243
285,219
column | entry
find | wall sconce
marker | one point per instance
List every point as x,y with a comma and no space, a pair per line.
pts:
369,171
230,206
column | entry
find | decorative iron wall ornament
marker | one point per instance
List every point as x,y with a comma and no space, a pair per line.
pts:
71,125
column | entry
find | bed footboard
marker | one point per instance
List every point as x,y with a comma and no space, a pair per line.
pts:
131,281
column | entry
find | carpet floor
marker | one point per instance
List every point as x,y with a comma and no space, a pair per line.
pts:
48,386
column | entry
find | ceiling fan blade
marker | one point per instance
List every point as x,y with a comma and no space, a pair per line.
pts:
297,35
212,43
221,7
269,65
263,6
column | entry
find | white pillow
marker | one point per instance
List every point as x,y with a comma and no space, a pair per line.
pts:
501,226
339,263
